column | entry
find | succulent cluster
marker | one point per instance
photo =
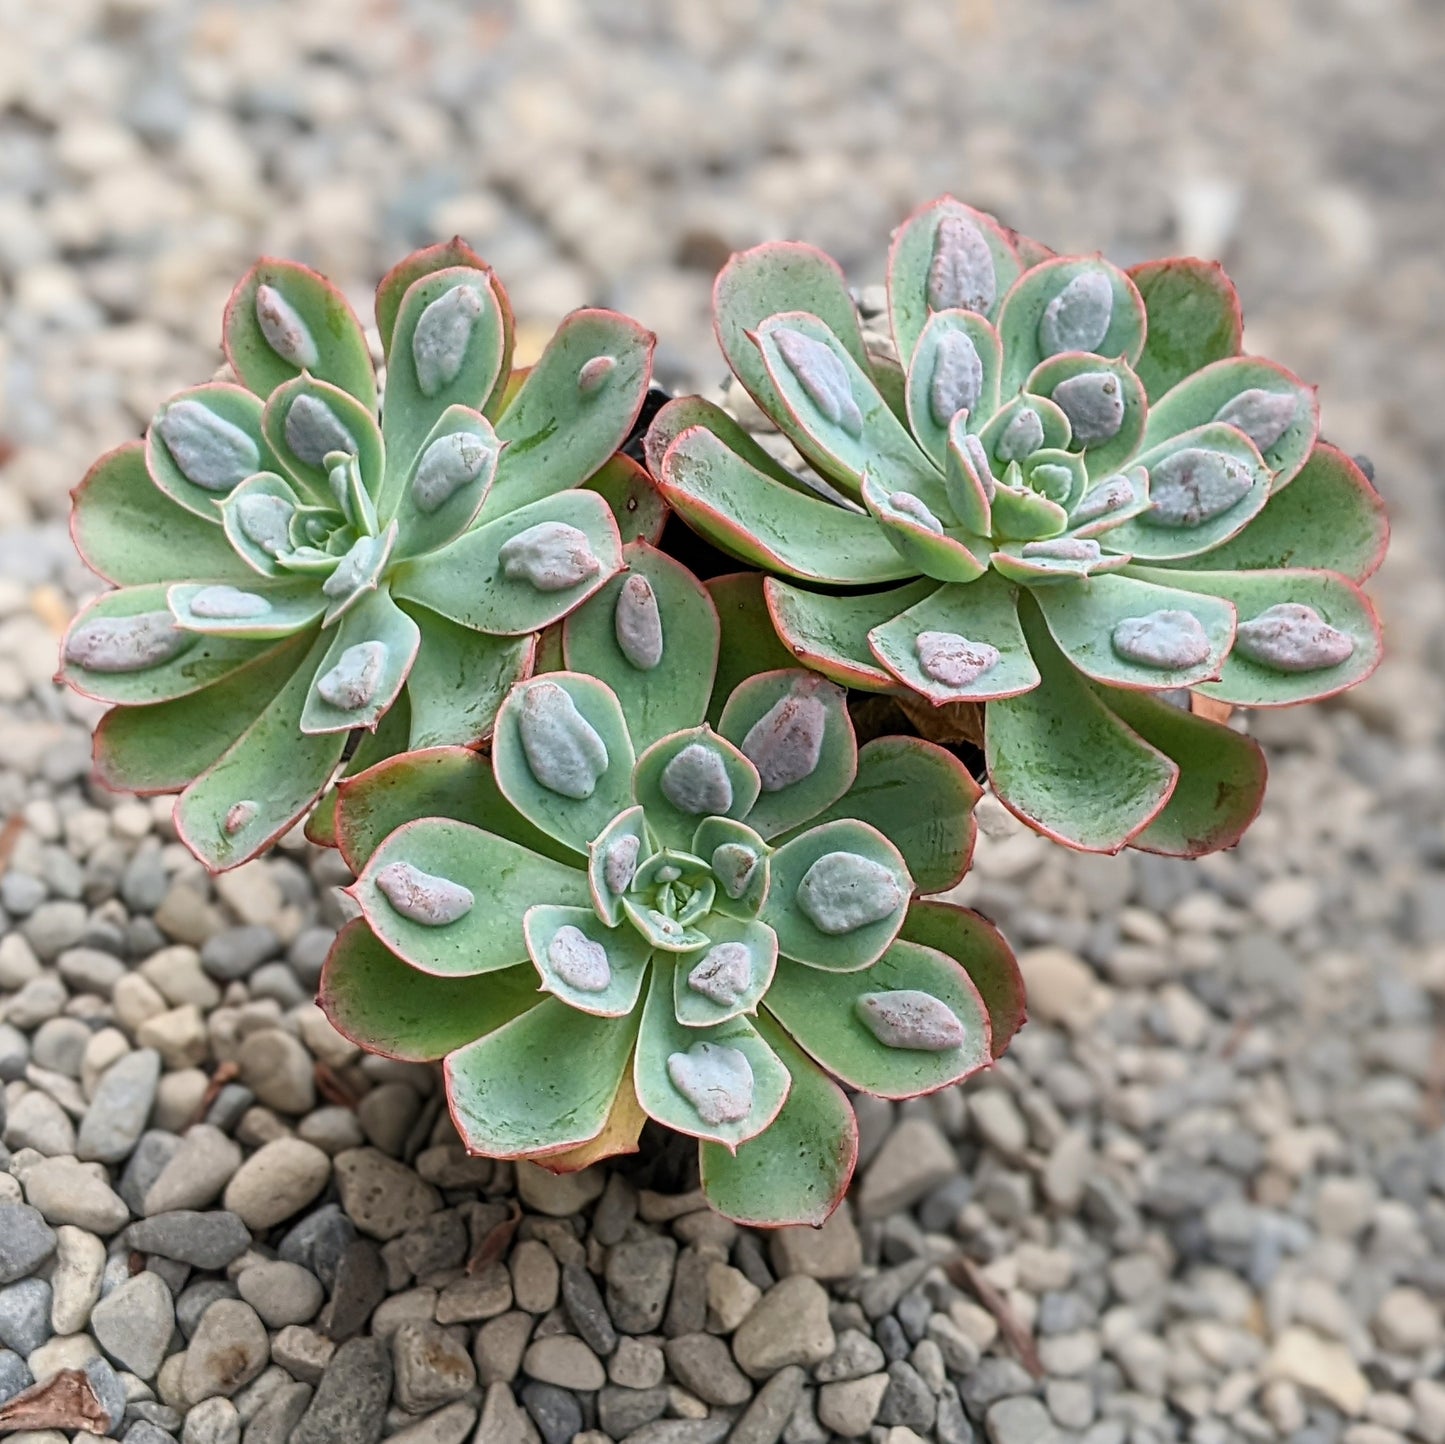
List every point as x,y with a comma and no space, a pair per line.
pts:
619,854
291,569
1061,493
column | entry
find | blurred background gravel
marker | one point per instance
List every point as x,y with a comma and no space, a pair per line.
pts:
1215,1166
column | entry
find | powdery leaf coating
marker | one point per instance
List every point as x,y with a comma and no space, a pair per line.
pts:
1021,437
1051,479
697,781
266,520
226,603
238,814
314,431
1263,416
447,465
1077,319
620,865
786,742
974,449
352,682
952,659
423,896
443,333
213,453
592,375
1169,639
844,891
126,644
1094,403
637,623
1195,485
552,556
723,974
961,274
1291,637
565,752
957,381
285,332
733,864
1110,495
904,504
353,569
909,1018
1065,549
580,961
716,1080
823,376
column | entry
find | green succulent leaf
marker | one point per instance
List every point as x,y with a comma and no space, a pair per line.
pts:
852,897
798,1169
1221,776
689,775
258,530
1104,451
958,644
636,504
713,983
386,1007
212,432
130,532
1128,633
263,784
257,610
651,633
1329,518
460,679
542,1083
1272,406
305,421
927,545
445,481
822,1012
503,878
469,580
690,1079
936,841
1065,764
387,740
443,257
1001,437
283,319
795,729
982,952
1194,319
730,868
563,757
611,855
1031,564
573,410
1341,620
749,642
364,669
583,961
1107,506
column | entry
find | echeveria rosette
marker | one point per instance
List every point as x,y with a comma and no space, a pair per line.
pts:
626,913
1073,495
292,567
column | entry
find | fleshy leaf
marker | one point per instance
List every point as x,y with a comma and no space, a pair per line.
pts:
690,775
739,861
130,532
387,741
444,482
583,961
843,948
263,784
1106,422
821,1011
636,504
306,420
1193,319
619,1135
612,861
722,1082
543,1082
1221,776
749,642
425,262
364,669
920,538
468,580
729,976
1005,438
559,428
257,517
255,609
795,729
236,415
651,633
548,763
1061,761
503,877
386,1007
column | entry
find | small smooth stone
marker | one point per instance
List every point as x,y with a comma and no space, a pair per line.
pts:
212,1421
431,1366
76,1280
303,1353
228,1350
358,1287
500,1344
281,1293
789,1325
203,1240
564,1361
349,1406
278,1070
134,1323
25,1315
702,1364
383,1198
277,1181
118,1111
639,1276
196,1174
67,1191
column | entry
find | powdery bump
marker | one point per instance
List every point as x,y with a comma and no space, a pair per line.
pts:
1264,416
592,375
957,380
446,466
443,333
266,521
565,753
211,452
844,891
953,660
1064,549
907,507
1170,640
1077,319
226,603
637,623
1293,637
733,864
239,815
1023,435
423,896
314,431
579,961
353,682
619,866
910,1018
1195,485
551,556
723,974
696,781
126,644
1111,495
354,569
1094,403
716,1080
786,742
823,376
961,273
285,332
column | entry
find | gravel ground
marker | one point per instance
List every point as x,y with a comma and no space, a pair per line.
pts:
1204,1197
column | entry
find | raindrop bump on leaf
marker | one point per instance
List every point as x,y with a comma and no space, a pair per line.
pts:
1077,319
551,556
212,453
423,897
443,333
1169,639
637,623
696,781
723,974
353,681
1293,637
564,751
285,332
126,644
961,273
844,891
716,1080
580,961
1263,416
909,1018
952,659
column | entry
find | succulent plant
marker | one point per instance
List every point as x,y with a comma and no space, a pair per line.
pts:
625,912
1072,497
291,569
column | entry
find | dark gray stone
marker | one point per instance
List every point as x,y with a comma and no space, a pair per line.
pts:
108,1390
120,1107
360,1285
25,1315
276,1420
203,1240
26,1241
238,951
555,1412
951,1425
14,1376
142,1431
620,1411
349,1406
583,1302
318,1241
147,1161
639,1276
991,1380
908,1401
764,1420
196,1299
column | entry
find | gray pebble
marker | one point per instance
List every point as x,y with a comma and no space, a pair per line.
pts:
994,1379
238,951
431,1367
203,1240
59,1045
196,1298
282,1293
359,1285
142,1431
25,1315
14,1053
37,1121
318,1242
26,1241
212,1421
1019,1421
620,1411
134,1324
194,1174
227,1351
349,1406
639,1277
108,1390
120,1107
555,1412
681,1431
275,1421
909,1401
153,1151
15,1378
585,1308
